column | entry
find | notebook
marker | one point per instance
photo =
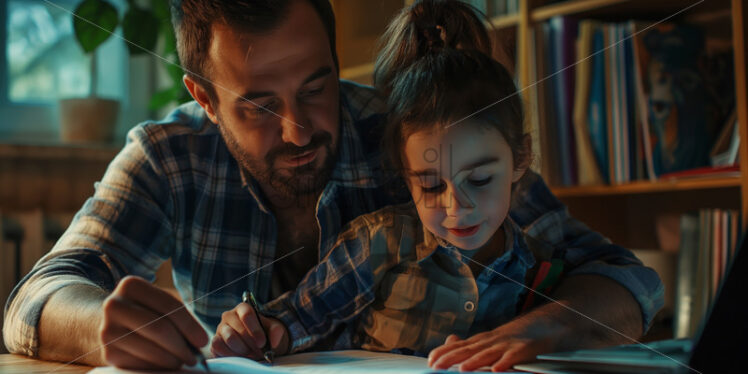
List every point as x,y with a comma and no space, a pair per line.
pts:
719,347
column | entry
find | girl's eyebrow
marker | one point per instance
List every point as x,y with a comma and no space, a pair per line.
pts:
478,163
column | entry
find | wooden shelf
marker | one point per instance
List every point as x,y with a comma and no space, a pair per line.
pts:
571,7
645,9
59,152
505,21
643,187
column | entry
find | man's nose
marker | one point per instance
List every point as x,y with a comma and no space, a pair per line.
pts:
295,128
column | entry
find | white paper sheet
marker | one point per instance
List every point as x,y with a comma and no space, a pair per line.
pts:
342,362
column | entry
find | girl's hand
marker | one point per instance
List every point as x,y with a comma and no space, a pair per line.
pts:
239,334
501,348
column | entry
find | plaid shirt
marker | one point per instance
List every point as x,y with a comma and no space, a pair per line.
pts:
174,191
401,289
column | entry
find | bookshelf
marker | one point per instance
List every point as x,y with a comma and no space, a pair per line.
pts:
644,187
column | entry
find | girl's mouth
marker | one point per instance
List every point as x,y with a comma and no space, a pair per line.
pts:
465,231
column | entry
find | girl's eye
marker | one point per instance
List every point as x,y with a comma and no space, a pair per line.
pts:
435,189
480,182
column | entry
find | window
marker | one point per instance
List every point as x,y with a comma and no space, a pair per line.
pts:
42,63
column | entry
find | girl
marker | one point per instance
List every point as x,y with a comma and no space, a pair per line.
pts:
451,263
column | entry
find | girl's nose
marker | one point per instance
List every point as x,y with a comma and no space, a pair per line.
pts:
457,203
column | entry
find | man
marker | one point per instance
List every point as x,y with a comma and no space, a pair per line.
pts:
245,188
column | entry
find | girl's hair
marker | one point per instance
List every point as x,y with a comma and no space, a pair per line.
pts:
434,69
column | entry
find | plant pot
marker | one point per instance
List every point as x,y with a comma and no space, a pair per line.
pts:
88,120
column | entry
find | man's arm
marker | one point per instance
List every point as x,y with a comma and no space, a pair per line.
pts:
588,311
125,228
69,324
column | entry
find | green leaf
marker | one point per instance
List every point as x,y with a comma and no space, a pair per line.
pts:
163,97
94,22
161,10
175,71
140,29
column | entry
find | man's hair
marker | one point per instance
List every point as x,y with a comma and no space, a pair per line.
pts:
193,21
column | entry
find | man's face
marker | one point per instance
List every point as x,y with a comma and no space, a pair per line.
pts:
278,107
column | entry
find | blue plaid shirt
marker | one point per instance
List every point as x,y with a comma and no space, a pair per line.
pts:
174,191
394,286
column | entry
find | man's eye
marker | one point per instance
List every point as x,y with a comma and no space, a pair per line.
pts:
262,110
480,182
313,92
433,189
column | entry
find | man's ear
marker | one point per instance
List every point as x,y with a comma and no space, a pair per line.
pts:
201,96
525,158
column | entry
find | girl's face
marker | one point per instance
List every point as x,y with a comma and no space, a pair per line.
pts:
460,179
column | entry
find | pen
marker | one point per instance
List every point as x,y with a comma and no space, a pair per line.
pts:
249,298
199,355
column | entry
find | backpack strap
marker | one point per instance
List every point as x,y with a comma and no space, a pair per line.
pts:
544,276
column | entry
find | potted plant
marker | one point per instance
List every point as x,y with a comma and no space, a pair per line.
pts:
93,119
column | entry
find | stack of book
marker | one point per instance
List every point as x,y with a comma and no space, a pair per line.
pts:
618,102
707,245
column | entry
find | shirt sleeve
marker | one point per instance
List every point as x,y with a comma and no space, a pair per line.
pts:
543,217
339,288
122,229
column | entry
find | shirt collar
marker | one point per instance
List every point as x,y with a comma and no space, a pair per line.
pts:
250,183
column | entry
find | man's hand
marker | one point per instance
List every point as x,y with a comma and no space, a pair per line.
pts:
144,327
240,334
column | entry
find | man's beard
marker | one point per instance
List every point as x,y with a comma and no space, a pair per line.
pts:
291,182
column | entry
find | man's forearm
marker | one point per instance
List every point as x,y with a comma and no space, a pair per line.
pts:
595,312
69,325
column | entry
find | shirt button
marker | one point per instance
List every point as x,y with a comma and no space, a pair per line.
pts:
469,306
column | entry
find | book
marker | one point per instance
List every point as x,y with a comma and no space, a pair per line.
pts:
641,99
597,115
589,172
550,161
704,172
674,90
686,268
611,99
727,146
562,33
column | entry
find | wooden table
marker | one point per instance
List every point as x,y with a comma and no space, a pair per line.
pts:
15,364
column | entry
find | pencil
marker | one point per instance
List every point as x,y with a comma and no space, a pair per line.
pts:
199,355
249,298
